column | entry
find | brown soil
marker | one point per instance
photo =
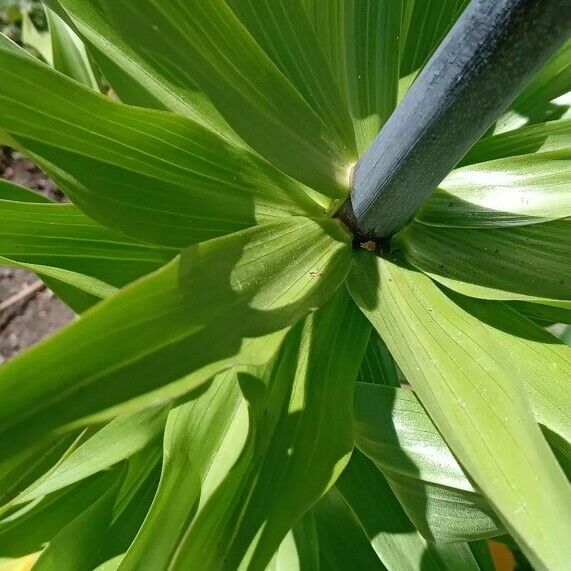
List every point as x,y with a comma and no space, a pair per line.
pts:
26,321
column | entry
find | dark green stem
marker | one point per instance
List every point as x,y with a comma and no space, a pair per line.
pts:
489,56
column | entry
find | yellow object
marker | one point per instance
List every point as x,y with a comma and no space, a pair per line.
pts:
504,559
21,564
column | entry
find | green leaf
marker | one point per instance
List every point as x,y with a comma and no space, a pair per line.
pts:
33,38
378,365
342,543
7,44
481,552
283,29
69,54
117,441
19,471
133,75
538,102
540,138
19,564
305,433
152,175
29,529
11,191
133,502
425,23
203,439
529,263
300,428
222,303
470,388
543,314
111,564
209,47
395,540
508,192
543,361
299,550
361,41
394,431
63,238
77,290
30,233
75,546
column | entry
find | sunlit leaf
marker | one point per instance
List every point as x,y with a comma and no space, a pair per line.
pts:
538,102
529,263
62,237
395,540
37,40
392,429
73,547
208,46
20,471
28,530
361,40
425,23
221,303
467,384
133,75
117,441
508,192
283,29
203,439
79,291
300,428
544,137
543,361
69,54
155,176
20,564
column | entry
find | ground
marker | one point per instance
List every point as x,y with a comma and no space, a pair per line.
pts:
28,310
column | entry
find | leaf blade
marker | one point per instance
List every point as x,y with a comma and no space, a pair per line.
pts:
210,48
395,540
155,176
502,193
504,458
263,280
297,419
361,43
394,431
485,263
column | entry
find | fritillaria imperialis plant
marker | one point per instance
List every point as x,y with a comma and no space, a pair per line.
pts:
252,383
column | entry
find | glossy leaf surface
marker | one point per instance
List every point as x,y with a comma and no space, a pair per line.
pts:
300,428
466,382
361,42
222,303
508,192
152,175
393,429
395,540
210,48
497,263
